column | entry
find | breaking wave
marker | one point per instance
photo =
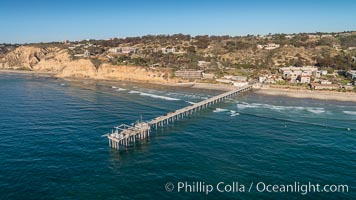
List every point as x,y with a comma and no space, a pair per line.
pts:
134,92
220,110
315,110
154,95
121,89
233,113
349,112
159,97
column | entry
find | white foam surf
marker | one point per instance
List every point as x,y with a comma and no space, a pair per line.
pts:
134,92
349,112
121,89
151,95
245,105
233,113
220,110
159,97
316,110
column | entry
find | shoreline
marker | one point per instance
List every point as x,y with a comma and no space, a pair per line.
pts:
26,72
189,85
209,87
308,94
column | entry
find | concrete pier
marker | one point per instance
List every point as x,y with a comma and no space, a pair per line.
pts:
126,135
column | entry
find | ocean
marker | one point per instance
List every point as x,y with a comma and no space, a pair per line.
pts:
52,144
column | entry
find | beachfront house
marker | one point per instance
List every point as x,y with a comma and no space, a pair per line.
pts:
240,84
208,76
262,79
189,74
238,81
304,79
320,86
298,74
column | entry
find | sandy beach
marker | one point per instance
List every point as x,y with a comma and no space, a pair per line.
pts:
322,95
27,72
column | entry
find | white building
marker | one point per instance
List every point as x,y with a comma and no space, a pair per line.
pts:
123,50
327,36
324,72
189,74
128,50
171,50
262,79
168,50
268,46
299,74
203,64
208,76
240,84
305,79
115,50
86,54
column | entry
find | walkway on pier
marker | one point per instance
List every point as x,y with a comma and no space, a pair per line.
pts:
124,135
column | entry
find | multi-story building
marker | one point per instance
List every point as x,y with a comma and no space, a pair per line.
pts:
299,74
189,74
319,86
123,50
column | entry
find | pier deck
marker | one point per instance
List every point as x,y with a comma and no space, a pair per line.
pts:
124,135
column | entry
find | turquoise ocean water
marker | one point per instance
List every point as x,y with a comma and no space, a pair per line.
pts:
52,146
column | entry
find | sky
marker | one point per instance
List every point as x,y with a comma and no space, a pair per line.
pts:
56,20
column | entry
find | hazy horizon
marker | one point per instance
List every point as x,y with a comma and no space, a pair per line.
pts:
82,39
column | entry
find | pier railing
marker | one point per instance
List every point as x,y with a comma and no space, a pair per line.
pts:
125,135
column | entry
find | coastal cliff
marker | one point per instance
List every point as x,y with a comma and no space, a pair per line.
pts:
59,62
